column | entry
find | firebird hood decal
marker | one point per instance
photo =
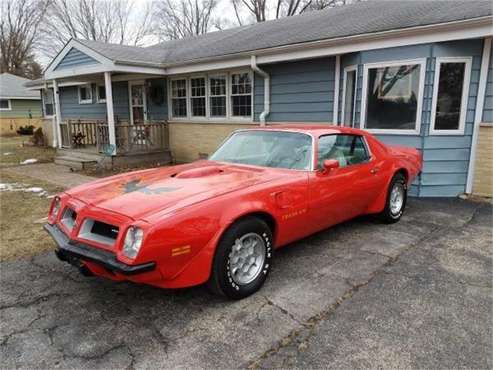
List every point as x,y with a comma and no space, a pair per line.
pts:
135,185
139,195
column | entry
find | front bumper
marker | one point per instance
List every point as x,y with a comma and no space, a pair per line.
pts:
75,253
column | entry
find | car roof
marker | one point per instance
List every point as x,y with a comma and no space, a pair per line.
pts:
311,129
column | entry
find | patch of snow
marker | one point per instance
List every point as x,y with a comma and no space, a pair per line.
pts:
29,161
7,153
24,188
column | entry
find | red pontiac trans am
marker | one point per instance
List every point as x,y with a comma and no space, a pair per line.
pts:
220,220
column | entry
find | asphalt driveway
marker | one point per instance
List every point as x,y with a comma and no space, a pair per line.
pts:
414,294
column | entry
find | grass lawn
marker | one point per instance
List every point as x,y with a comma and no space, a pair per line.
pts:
12,151
22,215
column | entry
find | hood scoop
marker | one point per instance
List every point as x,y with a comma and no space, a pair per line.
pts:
198,172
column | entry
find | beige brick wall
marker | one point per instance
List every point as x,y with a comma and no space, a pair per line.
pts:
9,126
483,169
188,140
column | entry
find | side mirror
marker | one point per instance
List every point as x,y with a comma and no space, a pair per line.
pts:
330,164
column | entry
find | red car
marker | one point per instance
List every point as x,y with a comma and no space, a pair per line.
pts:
220,220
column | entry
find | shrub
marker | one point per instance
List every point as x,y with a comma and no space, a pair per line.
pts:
26,130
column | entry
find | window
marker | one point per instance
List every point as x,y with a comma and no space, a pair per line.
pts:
179,98
393,97
85,94
217,96
198,96
48,102
5,104
346,149
101,93
349,100
241,94
275,149
450,95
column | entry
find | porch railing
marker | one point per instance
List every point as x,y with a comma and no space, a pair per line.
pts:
130,138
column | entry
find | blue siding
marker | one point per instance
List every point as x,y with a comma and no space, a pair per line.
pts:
488,99
446,158
300,91
71,109
75,58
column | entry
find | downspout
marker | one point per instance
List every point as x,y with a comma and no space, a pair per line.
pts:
266,77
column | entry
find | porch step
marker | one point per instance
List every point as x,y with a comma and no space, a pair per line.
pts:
87,155
74,162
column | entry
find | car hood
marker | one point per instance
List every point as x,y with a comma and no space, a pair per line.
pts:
142,193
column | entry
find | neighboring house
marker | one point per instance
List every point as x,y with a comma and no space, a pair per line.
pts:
415,73
18,105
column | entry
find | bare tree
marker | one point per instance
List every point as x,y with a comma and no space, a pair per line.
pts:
117,21
20,20
261,10
176,19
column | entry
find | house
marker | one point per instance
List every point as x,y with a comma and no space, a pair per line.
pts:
18,105
416,73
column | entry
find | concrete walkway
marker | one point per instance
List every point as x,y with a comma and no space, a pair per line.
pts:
52,173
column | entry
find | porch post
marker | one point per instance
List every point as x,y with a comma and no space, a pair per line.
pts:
58,114
109,109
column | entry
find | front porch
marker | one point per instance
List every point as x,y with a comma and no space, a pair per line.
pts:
85,143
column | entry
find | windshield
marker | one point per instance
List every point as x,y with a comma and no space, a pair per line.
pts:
278,149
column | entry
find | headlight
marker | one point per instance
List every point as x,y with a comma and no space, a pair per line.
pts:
55,209
133,241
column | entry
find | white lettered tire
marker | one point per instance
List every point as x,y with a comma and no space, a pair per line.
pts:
243,259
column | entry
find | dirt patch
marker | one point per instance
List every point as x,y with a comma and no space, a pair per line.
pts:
24,204
15,149
105,172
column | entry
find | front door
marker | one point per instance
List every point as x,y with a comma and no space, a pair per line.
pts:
138,106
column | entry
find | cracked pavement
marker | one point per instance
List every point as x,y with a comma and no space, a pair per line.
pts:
362,294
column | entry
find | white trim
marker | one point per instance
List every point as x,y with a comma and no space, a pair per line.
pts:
478,115
58,115
464,99
204,77
109,110
353,68
144,99
337,78
226,95
73,43
170,99
20,97
419,108
458,30
87,86
98,98
9,103
230,95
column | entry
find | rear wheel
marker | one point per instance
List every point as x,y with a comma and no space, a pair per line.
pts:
242,260
396,199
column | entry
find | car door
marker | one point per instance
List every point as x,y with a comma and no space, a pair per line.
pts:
345,192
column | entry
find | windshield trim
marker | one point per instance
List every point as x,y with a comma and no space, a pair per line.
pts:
312,159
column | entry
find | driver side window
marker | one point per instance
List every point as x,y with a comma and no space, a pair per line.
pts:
346,149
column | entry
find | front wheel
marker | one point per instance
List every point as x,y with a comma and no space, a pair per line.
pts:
396,200
242,260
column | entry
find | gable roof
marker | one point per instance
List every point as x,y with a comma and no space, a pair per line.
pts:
12,87
351,20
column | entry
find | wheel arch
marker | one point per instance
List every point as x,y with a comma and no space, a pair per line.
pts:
263,215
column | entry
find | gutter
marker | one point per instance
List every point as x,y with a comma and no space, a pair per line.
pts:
265,75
